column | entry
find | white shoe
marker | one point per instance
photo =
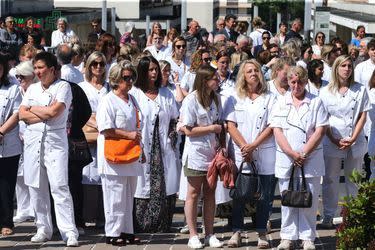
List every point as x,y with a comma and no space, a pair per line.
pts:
39,238
308,245
195,243
285,245
20,219
72,241
185,230
212,241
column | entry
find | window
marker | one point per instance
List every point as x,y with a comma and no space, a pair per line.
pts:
233,11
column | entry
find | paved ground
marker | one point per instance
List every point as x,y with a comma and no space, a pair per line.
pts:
94,238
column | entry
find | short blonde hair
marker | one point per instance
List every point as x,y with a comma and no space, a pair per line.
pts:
298,71
279,64
241,84
94,55
333,84
115,74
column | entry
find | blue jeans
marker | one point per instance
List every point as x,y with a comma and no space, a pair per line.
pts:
263,207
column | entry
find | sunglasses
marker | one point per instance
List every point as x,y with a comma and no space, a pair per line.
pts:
208,59
266,38
181,46
20,77
95,64
128,78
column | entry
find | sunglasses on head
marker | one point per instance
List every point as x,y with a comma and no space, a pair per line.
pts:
128,78
95,64
181,46
208,59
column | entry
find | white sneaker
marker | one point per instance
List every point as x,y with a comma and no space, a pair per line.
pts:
185,230
195,243
39,238
308,245
72,241
285,245
20,219
212,241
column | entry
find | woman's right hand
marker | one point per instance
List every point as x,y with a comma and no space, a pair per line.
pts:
135,136
216,128
298,159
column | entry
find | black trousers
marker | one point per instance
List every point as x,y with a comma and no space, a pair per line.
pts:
8,179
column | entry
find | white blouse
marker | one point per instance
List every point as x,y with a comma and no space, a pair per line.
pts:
93,94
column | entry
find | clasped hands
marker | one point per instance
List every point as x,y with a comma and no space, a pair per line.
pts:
344,143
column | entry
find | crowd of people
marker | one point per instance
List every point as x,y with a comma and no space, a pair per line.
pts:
281,102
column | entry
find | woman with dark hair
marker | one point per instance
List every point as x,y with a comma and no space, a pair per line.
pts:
155,195
315,73
371,140
266,37
106,44
223,71
360,34
319,42
306,54
10,146
201,112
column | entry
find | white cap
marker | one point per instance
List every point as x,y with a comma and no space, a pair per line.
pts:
25,68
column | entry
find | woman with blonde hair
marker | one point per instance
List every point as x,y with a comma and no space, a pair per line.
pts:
347,103
156,29
299,122
117,118
169,38
253,142
201,112
328,55
279,83
180,64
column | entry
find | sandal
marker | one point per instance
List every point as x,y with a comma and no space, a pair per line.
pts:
131,239
115,241
5,231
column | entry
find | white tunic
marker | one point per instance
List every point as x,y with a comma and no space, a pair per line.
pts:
59,37
10,100
71,74
363,72
310,87
187,82
199,150
46,143
159,54
371,115
273,89
344,111
165,107
298,125
180,69
252,117
327,70
113,112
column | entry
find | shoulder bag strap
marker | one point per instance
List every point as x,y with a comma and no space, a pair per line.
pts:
291,186
303,188
136,112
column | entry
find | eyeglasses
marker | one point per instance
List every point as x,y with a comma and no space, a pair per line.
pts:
128,78
207,59
181,46
95,64
266,38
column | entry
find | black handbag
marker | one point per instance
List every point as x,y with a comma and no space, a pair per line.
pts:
247,185
79,152
296,198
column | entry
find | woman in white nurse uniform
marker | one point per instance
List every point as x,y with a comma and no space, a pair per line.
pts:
117,118
252,141
279,83
299,121
45,109
371,140
347,104
155,196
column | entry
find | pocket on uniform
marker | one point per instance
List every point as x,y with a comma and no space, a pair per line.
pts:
202,120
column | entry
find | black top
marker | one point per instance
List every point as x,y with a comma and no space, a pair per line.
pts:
292,34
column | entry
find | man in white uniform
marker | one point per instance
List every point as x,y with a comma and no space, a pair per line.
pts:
45,111
68,71
157,49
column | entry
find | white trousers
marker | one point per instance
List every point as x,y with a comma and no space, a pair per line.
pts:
24,208
40,200
331,182
300,223
118,199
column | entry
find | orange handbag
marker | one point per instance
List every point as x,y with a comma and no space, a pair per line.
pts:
123,151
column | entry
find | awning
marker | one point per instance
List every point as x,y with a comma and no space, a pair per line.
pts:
352,19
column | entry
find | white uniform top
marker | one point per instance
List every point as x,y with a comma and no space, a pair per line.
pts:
59,37
252,117
10,100
181,70
256,36
160,54
226,83
93,94
113,112
302,63
71,74
273,89
165,107
327,70
371,115
199,150
313,89
363,72
316,49
46,143
187,81
298,125
343,111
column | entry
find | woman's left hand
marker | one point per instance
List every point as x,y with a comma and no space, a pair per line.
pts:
247,150
346,143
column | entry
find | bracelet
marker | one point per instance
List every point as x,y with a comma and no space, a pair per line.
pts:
303,154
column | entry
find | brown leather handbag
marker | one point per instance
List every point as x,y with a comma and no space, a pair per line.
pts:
91,133
123,151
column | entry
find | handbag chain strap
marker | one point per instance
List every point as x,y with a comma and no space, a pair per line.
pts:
291,185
